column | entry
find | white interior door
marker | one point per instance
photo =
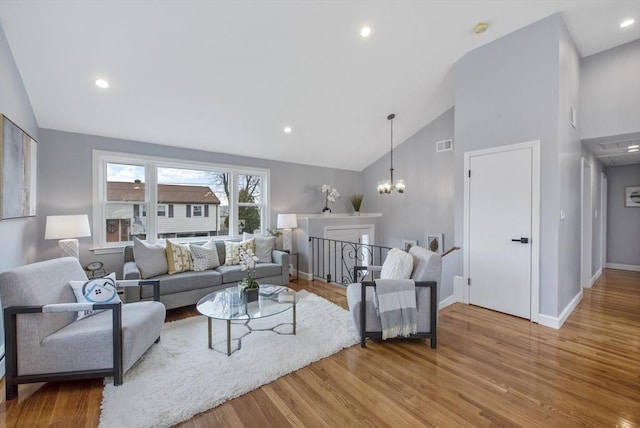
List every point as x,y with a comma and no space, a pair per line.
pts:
499,208
587,224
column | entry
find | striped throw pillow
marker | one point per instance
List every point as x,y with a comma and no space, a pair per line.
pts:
178,258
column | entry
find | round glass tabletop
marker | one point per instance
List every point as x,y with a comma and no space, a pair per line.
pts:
226,304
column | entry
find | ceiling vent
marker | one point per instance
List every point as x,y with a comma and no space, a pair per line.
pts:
444,145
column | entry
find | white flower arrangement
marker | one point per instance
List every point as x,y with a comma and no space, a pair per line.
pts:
248,262
330,195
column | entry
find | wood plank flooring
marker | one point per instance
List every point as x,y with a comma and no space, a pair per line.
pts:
489,369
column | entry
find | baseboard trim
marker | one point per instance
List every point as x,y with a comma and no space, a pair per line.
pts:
619,266
556,322
447,302
595,277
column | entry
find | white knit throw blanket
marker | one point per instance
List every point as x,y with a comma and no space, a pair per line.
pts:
395,301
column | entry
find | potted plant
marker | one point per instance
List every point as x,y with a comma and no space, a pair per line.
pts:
330,195
248,286
356,202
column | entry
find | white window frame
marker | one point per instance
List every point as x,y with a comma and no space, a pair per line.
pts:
166,210
152,163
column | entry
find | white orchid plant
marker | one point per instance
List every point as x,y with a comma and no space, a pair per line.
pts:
330,195
248,261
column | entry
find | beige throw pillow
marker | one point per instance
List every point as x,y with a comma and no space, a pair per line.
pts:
178,258
232,250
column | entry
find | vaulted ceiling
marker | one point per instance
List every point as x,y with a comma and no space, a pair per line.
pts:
229,76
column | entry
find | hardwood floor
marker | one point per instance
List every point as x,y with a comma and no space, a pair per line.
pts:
489,369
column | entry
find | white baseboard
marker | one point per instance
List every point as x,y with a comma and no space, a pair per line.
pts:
595,277
305,275
448,301
633,268
556,322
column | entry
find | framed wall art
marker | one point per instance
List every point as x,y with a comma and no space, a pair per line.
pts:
408,243
632,196
18,163
434,242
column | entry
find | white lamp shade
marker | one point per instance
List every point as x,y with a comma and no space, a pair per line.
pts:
67,226
287,221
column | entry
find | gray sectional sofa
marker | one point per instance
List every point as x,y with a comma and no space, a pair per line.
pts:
186,288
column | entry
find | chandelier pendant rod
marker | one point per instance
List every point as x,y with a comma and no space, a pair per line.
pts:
391,117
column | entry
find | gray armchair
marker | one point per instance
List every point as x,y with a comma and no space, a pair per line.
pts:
44,340
427,268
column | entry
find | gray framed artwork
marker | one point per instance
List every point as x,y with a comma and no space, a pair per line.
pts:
18,162
434,242
408,243
632,196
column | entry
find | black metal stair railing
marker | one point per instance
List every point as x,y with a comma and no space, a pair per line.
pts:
333,260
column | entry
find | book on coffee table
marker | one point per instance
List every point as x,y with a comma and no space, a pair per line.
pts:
270,290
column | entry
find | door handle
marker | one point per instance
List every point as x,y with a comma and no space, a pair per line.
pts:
521,240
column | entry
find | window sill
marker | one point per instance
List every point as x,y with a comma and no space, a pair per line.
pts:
107,250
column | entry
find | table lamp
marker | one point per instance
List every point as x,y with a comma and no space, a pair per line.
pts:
286,222
66,228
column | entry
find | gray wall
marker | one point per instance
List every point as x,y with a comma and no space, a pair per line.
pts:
66,182
610,92
569,158
623,223
514,90
18,235
427,205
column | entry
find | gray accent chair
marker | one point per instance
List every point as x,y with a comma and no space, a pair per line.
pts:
427,269
44,340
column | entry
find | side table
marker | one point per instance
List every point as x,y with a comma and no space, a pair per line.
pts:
297,266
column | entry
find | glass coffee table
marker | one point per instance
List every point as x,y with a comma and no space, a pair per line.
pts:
227,305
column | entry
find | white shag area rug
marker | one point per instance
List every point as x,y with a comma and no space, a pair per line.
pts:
180,376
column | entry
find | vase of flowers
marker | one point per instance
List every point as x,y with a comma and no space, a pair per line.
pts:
248,286
330,195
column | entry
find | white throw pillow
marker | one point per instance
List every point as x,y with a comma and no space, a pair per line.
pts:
204,256
397,265
151,259
264,246
98,290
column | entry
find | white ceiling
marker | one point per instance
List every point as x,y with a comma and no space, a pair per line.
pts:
613,150
227,76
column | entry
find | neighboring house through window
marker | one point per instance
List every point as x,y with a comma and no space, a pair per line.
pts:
162,198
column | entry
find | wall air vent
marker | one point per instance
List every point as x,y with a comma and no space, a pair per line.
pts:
444,145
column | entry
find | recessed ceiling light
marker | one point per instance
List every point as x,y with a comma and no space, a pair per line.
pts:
627,22
101,83
365,31
632,150
287,130
635,146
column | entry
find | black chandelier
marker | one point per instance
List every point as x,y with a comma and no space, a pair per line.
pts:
388,186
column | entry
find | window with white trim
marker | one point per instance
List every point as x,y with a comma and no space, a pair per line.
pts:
156,198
